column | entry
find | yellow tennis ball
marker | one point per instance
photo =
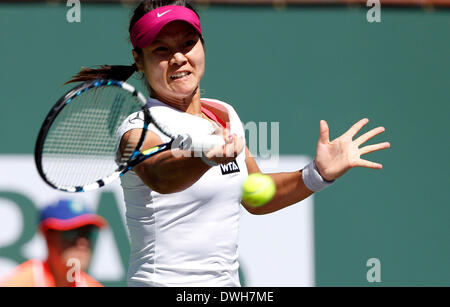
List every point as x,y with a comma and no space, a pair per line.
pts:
258,189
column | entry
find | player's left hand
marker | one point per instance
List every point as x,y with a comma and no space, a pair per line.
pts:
333,159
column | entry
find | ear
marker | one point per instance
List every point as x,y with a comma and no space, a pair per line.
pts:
138,61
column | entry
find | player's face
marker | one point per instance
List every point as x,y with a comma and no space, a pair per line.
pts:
174,63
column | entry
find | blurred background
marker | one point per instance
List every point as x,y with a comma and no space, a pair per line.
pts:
289,61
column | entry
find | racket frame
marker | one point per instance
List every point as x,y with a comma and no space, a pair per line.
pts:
136,156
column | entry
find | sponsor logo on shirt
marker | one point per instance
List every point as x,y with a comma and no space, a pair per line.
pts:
230,168
137,117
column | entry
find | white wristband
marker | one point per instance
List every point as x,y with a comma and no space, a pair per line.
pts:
312,178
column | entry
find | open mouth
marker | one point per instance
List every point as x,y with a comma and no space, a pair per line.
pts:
180,75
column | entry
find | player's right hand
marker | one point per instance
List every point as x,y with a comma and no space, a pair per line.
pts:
228,152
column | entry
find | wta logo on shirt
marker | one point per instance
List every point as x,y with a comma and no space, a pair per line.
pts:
230,168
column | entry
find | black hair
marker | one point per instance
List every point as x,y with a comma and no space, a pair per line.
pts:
124,72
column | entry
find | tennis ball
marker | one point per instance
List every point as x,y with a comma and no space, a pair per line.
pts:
258,189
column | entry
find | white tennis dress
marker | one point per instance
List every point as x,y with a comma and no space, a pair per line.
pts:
189,238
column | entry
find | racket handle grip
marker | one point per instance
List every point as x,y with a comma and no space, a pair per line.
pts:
201,143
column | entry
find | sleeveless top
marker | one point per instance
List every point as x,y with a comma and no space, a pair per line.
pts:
188,238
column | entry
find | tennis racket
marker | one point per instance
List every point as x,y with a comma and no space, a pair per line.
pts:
77,148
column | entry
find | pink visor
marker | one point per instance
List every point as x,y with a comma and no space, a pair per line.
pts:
145,30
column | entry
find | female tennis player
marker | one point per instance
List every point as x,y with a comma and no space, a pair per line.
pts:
182,211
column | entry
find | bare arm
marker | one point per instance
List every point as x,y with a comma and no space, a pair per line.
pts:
333,160
290,189
174,170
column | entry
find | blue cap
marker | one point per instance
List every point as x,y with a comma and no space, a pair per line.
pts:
67,215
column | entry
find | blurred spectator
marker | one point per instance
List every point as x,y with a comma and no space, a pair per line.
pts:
68,228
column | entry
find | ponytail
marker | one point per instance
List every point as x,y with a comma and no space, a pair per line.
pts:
115,72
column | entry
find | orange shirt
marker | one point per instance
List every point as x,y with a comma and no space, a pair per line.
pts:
35,273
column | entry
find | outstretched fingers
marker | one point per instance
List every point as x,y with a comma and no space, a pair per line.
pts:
356,127
375,147
369,164
368,135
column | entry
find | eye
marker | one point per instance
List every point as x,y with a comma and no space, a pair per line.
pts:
160,49
189,43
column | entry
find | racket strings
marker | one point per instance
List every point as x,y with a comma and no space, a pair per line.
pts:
81,145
